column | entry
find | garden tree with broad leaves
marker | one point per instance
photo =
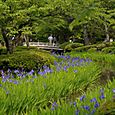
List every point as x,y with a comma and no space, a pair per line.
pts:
13,16
107,17
24,18
55,17
83,12
93,11
16,19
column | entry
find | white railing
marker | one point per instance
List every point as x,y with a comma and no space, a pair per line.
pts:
36,43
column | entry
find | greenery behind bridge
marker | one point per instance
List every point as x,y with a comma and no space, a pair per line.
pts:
88,21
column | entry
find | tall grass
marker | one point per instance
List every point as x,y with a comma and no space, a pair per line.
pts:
29,93
93,102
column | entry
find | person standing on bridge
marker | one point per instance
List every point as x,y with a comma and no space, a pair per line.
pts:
54,41
50,38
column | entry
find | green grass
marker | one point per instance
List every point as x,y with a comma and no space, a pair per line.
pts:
70,78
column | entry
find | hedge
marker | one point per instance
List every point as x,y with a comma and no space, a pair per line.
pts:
26,59
72,46
109,50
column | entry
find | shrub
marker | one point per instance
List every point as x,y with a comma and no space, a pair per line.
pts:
100,46
64,45
27,60
92,50
109,50
113,44
3,50
24,48
72,46
84,48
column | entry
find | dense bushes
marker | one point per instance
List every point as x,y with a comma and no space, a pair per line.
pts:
3,50
72,46
25,59
64,45
95,47
104,47
109,50
24,48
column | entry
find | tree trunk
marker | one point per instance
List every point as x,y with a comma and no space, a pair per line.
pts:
107,34
86,39
7,41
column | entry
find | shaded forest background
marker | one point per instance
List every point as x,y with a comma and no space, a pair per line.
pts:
84,21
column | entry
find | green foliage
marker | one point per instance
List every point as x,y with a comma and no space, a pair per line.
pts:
106,60
84,48
3,50
25,59
92,50
24,48
98,47
60,91
72,46
40,92
99,101
63,45
109,50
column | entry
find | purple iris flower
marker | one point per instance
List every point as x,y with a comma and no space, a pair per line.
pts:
65,68
77,112
75,71
0,85
86,108
74,103
4,80
93,100
16,71
96,105
52,108
93,111
54,104
48,70
8,76
82,97
15,82
41,73
102,96
45,67
55,63
31,72
113,90
10,80
19,75
34,76
81,60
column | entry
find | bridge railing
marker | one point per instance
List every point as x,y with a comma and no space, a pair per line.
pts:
36,43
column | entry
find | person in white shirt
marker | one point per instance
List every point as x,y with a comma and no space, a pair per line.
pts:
50,38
